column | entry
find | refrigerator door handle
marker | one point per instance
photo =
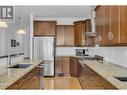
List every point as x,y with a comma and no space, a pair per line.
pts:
52,50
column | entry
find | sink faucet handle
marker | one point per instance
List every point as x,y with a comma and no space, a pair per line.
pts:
9,59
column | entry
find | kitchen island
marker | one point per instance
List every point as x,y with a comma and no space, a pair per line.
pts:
9,79
108,71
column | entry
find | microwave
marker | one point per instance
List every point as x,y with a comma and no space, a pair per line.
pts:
82,52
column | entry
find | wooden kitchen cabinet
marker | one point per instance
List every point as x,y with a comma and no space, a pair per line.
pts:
39,28
29,81
60,35
90,41
91,80
113,25
87,26
65,35
99,24
123,23
79,29
44,28
106,24
62,65
69,35
75,68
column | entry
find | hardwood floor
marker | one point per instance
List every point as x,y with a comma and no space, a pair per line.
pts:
65,82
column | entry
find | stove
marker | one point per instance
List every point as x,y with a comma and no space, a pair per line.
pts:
91,59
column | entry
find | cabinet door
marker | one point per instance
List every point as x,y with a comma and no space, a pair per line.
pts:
29,81
69,35
49,28
123,24
90,41
99,25
88,25
78,34
74,67
115,24
60,35
66,65
58,65
38,28
33,80
107,25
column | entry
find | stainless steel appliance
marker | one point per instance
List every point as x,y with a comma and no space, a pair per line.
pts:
82,52
44,50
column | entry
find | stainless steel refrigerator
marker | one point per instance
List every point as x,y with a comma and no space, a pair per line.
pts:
44,50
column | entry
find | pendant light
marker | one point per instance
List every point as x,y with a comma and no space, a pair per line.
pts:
21,30
3,24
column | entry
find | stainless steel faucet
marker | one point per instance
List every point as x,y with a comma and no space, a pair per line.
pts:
10,58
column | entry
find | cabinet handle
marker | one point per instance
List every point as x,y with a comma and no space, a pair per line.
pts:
110,36
40,66
34,77
16,85
23,79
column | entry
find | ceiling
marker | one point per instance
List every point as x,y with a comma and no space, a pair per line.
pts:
53,11
50,12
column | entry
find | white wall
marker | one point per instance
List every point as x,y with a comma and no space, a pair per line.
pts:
11,33
116,55
26,42
70,51
2,41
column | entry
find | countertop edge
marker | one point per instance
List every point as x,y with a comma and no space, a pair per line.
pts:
27,71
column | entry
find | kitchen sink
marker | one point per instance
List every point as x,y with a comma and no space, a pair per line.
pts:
21,66
123,79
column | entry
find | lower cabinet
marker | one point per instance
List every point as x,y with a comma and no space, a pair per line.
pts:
75,67
62,65
91,80
29,81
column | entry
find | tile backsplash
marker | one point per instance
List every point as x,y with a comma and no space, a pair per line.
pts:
116,55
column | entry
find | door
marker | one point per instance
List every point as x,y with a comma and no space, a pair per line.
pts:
44,50
107,25
123,24
49,68
60,35
115,24
50,27
78,37
99,25
66,65
39,28
47,54
69,35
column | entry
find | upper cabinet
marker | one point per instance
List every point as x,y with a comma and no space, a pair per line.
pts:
80,28
99,24
111,25
65,35
46,28
123,24
69,35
